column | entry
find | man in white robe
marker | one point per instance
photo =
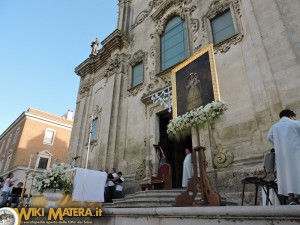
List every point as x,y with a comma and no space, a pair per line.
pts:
285,136
187,168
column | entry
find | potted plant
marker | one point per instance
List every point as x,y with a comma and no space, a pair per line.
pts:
53,183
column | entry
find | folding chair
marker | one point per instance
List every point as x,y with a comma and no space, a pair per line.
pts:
265,184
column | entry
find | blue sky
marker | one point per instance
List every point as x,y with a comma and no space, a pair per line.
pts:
41,43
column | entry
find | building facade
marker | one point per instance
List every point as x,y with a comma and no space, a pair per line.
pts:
256,50
34,141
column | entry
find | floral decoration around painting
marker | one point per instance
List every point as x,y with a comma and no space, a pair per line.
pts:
180,126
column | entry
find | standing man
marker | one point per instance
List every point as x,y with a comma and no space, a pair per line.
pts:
187,168
285,136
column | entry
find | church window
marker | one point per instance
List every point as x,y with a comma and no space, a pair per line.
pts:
94,129
43,160
137,74
174,43
222,27
49,136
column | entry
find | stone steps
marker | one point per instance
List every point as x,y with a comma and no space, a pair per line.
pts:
152,198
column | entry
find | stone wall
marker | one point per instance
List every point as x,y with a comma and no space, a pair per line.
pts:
258,75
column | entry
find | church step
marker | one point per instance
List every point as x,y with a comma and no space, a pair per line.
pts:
153,198
150,198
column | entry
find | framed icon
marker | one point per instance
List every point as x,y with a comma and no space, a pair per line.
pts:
195,82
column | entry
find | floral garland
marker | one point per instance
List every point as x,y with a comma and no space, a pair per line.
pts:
57,178
180,126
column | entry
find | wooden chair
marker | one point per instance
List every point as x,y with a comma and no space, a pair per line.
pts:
163,180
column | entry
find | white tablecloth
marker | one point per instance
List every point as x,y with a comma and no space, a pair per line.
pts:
88,185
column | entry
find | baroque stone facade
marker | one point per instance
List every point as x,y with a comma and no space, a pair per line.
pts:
258,74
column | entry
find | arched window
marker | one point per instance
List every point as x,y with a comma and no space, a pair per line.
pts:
174,43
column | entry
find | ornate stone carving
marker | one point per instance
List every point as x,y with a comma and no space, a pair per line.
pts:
135,90
138,57
236,7
223,158
84,90
113,66
194,25
140,18
155,3
218,7
224,47
97,111
159,82
140,173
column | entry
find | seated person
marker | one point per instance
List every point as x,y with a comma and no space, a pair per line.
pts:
16,193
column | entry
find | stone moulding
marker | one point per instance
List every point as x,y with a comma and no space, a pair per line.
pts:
225,46
135,90
116,40
163,7
218,7
138,57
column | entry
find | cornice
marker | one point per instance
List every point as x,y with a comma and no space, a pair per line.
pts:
116,40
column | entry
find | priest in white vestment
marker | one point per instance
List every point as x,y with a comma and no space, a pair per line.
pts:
187,168
285,136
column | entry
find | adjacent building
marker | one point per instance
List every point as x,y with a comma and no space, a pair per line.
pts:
34,141
256,49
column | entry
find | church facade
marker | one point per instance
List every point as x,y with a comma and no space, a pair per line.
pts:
256,50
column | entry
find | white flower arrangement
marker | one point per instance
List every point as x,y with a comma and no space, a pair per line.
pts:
181,126
57,178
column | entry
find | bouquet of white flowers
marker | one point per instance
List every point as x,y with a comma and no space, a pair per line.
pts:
57,178
181,126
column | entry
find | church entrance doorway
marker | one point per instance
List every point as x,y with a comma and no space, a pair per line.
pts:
174,150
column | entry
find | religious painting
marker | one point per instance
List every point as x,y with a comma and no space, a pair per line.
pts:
194,82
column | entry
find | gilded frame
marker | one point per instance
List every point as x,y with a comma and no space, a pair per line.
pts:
202,62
